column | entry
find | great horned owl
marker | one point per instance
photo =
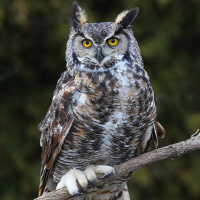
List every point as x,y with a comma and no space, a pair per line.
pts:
103,110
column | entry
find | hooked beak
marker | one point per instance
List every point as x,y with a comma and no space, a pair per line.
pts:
99,54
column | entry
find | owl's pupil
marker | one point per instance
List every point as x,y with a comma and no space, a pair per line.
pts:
87,42
113,40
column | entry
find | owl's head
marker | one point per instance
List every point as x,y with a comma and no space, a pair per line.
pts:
100,45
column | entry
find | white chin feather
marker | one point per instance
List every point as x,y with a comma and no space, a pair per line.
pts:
94,60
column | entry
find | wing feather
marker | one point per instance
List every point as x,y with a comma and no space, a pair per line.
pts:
56,125
158,131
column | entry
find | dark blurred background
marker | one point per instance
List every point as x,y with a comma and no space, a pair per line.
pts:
33,36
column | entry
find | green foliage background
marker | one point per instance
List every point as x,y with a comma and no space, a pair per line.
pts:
33,35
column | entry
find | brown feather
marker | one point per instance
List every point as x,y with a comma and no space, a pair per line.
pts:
41,189
160,130
52,140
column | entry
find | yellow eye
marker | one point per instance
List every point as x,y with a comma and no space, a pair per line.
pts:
113,41
87,43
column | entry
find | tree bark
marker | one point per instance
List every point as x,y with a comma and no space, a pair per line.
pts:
133,165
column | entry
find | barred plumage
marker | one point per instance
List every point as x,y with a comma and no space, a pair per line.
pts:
103,110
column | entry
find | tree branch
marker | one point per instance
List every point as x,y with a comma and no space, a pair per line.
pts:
131,166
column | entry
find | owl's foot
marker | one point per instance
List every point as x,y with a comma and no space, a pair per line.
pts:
73,176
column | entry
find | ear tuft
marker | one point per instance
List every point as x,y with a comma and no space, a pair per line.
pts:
83,17
126,17
78,16
121,16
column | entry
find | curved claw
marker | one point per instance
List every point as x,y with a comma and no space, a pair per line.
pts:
84,190
92,182
105,176
78,194
101,187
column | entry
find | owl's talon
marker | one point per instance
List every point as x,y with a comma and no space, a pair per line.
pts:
101,187
105,176
74,176
92,182
78,194
85,190
70,180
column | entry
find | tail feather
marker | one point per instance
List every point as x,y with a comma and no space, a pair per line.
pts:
110,192
125,193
